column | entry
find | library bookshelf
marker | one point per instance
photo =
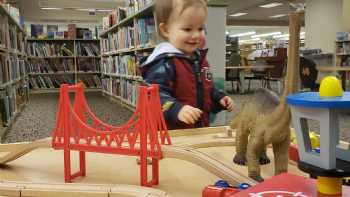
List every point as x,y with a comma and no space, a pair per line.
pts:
342,59
129,36
52,62
342,52
13,76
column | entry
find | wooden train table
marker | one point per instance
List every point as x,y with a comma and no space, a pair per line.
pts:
197,158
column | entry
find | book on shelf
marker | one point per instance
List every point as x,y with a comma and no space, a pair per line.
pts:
134,6
146,32
3,27
11,99
5,110
105,23
84,33
343,36
38,49
90,81
121,14
87,49
88,65
72,31
51,30
12,35
36,30
59,35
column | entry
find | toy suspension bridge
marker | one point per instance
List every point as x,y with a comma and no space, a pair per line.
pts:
144,135
78,129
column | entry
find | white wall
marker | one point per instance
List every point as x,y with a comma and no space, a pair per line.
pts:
215,41
346,14
323,18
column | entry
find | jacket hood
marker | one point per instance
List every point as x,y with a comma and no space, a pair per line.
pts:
167,49
162,48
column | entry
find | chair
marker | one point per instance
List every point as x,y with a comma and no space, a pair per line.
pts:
278,72
257,73
308,74
233,74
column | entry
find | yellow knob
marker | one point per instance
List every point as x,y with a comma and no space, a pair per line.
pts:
330,87
329,185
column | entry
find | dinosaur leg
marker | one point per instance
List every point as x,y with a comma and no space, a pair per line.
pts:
254,149
241,145
280,151
264,159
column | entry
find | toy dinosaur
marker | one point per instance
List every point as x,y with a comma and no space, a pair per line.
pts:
270,128
262,102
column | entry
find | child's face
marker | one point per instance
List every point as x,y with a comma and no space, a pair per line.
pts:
185,30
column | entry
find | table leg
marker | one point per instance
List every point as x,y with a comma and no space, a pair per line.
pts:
343,80
241,81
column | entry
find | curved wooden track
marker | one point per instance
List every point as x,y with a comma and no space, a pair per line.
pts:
24,189
10,152
207,162
183,152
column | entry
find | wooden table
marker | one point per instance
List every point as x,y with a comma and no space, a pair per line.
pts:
341,69
179,178
242,73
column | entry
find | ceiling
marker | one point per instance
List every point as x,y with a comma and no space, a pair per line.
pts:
258,15
31,11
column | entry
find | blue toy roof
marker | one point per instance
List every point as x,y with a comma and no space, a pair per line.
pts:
313,99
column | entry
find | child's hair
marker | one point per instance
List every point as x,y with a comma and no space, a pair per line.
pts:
164,8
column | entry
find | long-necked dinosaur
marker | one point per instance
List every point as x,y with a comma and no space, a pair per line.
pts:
270,128
263,101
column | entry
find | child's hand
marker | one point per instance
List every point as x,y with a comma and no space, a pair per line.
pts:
189,114
227,102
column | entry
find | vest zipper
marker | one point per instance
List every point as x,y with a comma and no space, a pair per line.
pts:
200,94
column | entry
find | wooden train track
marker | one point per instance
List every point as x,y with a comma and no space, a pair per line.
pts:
183,150
25,189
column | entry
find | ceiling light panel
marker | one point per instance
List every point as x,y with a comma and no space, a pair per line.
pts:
243,34
267,34
278,16
85,9
249,40
239,14
271,5
51,8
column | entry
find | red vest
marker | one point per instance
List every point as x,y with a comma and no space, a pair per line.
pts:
193,88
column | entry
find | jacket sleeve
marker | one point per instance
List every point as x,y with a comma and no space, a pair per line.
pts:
163,74
216,96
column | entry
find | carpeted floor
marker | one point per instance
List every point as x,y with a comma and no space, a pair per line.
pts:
38,118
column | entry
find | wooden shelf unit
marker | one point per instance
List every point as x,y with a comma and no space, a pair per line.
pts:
48,67
119,61
13,72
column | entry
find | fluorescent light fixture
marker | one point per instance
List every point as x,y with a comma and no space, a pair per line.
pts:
243,34
278,16
85,9
249,40
51,8
302,35
267,34
239,14
281,36
104,10
271,5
